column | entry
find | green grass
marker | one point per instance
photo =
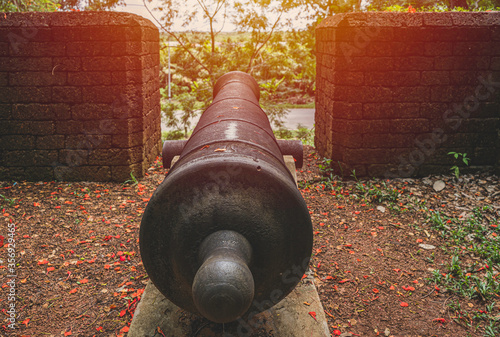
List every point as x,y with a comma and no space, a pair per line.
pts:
478,236
311,105
4,201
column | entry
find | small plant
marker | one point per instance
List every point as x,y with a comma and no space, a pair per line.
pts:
353,175
465,160
305,135
8,201
327,173
132,180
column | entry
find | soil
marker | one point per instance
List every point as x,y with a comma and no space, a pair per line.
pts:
79,273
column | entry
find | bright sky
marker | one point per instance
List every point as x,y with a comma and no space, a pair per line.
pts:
137,7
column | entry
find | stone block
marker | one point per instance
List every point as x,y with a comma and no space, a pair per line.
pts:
29,48
122,173
365,156
17,142
411,126
4,79
392,78
88,48
27,158
17,63
67,94
36,78
435,77
42,173
89,78
82,173
387,140
72,157
90,111
110,157
30,94
68,127
417,94
100,94
51,142
88,142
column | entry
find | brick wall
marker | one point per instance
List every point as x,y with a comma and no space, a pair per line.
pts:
397,91
79,96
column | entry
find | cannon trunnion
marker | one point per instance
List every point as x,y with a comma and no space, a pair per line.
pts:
227,233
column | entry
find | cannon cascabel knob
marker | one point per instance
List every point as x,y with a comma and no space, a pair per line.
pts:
223,287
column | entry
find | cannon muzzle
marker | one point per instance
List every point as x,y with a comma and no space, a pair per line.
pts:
227,233
223,287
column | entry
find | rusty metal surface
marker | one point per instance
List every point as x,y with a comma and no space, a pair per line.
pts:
230,177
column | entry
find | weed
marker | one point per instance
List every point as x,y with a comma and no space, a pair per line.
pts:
132,180
9,202
455,168
377,192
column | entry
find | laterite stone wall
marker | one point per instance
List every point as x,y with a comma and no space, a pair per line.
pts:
397,91
79,96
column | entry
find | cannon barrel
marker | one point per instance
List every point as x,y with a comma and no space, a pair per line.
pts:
227,233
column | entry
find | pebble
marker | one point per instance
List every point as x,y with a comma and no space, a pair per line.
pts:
426,246
438,186
381,209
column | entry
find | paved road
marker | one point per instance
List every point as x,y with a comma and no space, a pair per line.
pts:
294,117
302,116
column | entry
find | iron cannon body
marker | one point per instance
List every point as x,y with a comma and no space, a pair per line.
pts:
227,233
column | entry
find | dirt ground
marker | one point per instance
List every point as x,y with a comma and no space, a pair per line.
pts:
78,269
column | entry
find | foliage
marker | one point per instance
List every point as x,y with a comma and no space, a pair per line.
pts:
302,133
413,6
28,6
172,135
54,5
89,5
281,61
178,112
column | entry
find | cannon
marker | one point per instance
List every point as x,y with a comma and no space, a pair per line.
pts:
227,233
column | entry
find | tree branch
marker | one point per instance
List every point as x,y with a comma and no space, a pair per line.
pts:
257,51
178,40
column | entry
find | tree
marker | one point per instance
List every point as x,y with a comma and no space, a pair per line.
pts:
207,54
202,57
28,6
53,5
89,5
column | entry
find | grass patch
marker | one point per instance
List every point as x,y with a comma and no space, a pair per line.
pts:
298,106
473,271
302,133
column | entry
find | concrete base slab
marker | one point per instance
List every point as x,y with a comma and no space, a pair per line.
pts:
292,317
